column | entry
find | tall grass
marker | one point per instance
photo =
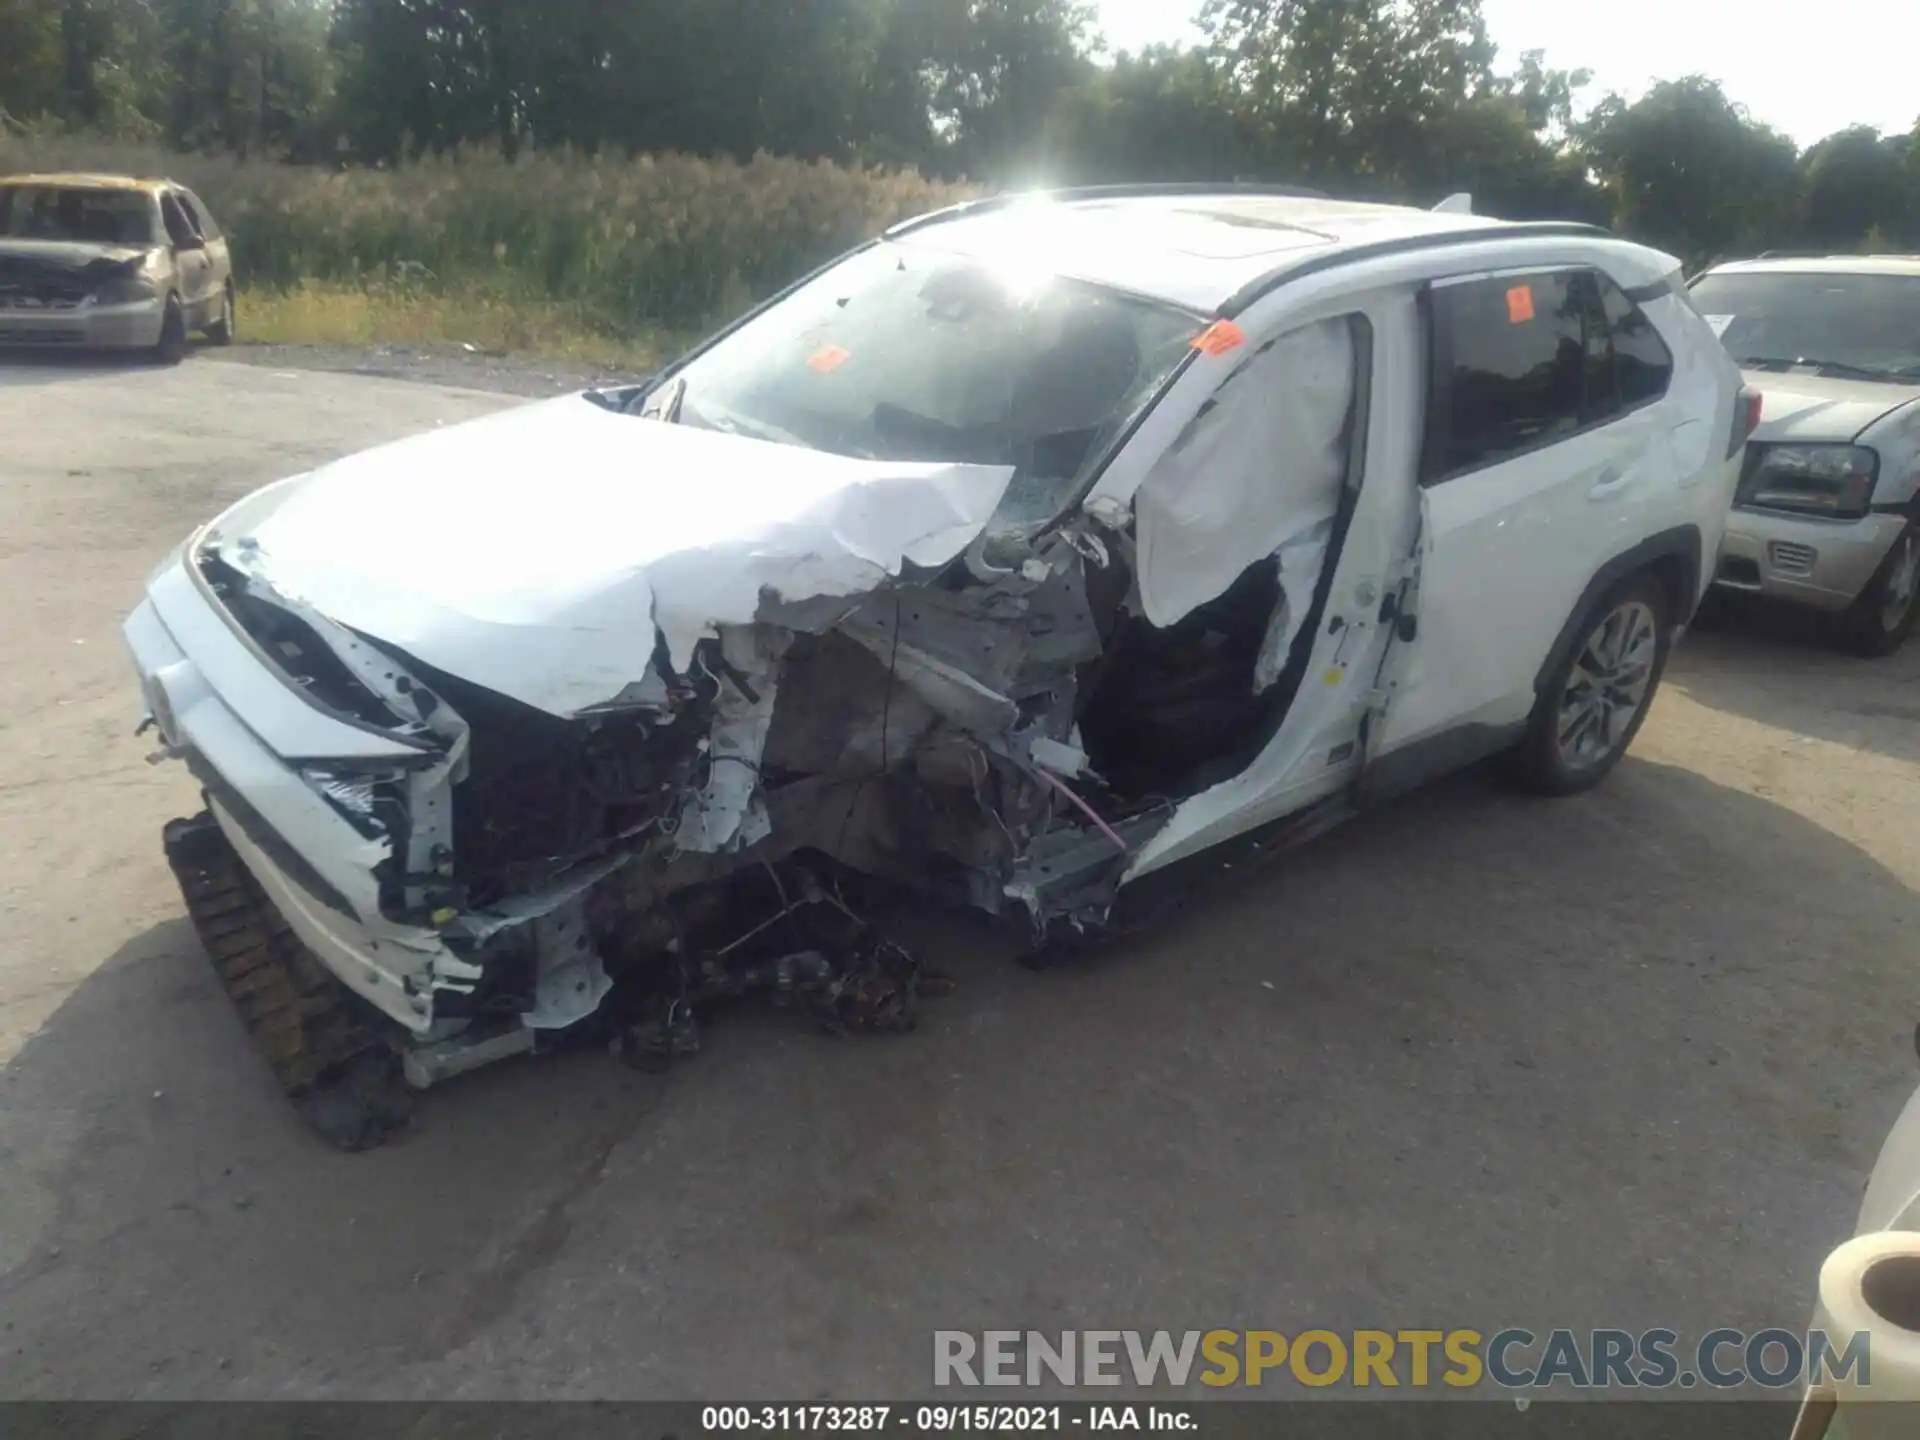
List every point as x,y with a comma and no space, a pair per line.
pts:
627,246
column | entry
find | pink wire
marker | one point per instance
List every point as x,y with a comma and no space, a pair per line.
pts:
1085,809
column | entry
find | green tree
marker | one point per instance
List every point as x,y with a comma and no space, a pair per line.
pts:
993,70
1345,89
1854,184
31,58
1690,171
245,75
1165,114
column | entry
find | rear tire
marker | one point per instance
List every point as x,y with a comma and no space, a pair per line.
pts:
171,348
221,331
1594,704
1879,622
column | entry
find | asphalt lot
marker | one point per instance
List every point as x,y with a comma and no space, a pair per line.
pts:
1473,1060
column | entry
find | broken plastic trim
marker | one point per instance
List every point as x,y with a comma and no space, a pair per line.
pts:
203,542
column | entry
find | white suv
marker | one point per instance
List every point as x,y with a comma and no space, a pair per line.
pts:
1826,509
1022,552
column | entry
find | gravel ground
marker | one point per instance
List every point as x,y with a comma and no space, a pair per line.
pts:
433,365
1622,1061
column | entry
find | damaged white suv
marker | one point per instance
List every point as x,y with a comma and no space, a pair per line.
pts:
1024,551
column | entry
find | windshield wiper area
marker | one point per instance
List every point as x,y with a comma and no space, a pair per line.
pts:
1805,362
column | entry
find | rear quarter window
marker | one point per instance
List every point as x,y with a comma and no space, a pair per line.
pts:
200,215
1642,363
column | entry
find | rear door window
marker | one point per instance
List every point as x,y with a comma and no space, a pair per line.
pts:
1509,368
1520,361
179,228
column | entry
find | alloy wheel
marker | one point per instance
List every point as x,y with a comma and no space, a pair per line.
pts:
1608,685
1903,582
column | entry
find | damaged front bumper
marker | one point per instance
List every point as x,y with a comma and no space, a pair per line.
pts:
86,325
244,731
920,740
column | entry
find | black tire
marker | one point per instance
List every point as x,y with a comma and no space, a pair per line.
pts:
171,348
220,332
1545,761
1879,622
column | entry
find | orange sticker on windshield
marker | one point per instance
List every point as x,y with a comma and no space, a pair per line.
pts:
828,357
1219,337
1520,304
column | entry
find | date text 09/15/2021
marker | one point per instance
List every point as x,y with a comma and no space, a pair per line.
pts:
946,1419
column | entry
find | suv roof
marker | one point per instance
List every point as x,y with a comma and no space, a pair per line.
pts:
1208,249
1822,265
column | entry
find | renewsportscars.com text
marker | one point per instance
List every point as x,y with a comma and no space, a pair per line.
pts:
1513,1359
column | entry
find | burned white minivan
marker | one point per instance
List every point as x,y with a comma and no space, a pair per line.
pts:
1031,548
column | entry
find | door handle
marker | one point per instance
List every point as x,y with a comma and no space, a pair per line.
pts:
1610,483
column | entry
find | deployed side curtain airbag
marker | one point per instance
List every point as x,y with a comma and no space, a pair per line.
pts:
1261,465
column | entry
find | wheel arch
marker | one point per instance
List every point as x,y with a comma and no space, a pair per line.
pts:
1673,556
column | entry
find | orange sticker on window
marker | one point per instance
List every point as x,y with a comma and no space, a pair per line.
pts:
1219,337
828,357
1520,304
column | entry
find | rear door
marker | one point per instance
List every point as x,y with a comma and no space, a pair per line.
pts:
1542,454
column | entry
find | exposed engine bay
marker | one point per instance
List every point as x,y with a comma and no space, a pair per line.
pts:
530,813
1002,731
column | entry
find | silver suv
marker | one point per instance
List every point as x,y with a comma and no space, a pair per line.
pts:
1825,512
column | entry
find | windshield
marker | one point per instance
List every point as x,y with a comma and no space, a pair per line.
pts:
903,353
51,212
1864,324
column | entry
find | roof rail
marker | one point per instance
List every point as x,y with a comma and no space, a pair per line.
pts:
1837,255
1398,245
1164,189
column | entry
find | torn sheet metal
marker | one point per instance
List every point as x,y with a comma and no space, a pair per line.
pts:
570,981
1074,872
479,926
948,689
536,551
974,655
1262,462
728,811
834,696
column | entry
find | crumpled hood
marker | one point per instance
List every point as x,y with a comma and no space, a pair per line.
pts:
1820,407
72,256
536,552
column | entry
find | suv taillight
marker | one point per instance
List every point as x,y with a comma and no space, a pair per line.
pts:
1746,418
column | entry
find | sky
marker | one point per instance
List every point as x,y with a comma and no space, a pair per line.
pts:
1806,67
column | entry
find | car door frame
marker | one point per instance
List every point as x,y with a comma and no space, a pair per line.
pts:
218,250
192,263
1312,752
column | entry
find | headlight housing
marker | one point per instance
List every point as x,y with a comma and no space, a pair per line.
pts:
1832,481
137,281
368,800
